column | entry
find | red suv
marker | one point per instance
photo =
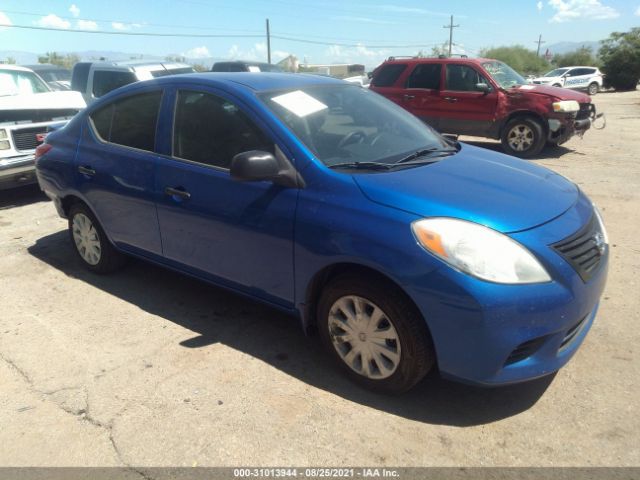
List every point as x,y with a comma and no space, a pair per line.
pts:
484,98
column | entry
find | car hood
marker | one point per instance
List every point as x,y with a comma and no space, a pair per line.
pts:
478,185
47,100
557,92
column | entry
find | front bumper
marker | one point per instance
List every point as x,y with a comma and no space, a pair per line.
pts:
562,127
16,171
494,334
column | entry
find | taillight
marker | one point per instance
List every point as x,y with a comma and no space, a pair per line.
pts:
42,149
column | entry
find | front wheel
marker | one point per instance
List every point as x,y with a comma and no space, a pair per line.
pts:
375,334
593,88
90,242
523,137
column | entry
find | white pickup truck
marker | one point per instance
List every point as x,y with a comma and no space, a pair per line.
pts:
29,109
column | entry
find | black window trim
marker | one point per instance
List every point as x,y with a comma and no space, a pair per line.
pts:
173,128
99,139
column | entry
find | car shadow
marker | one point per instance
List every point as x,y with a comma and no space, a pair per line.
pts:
550,151
19,196
219,316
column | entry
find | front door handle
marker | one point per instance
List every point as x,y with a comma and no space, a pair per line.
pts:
177,192
408,97
86,170
451,99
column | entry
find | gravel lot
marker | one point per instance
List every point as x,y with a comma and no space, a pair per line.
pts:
148,367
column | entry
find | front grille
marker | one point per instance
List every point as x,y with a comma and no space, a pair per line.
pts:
584,249
26,138
525,350
587,110
572,332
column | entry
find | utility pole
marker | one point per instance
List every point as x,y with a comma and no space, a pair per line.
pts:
451,26
539,42
268,43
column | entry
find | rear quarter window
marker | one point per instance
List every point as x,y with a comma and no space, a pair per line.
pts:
105,80
388,74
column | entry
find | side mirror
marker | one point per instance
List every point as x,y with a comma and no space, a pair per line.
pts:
483,87
258,165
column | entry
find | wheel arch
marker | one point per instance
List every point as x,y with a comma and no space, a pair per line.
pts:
525,114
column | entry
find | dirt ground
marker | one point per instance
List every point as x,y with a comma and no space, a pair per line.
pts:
148,367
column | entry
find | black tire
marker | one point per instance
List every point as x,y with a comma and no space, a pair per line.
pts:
557,85
109,259
525,132
593,89
417,356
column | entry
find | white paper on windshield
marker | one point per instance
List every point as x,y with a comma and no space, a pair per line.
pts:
254,69
300,103
527,87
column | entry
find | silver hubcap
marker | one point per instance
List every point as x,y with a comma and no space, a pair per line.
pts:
520,138
364,337
86,238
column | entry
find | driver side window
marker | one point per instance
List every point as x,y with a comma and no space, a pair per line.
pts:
462,78
211,130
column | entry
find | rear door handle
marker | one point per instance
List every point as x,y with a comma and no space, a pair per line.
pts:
408,97
177,192
451,99
85,170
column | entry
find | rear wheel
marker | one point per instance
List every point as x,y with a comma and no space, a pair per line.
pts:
593,88
523,137
90,242
374,333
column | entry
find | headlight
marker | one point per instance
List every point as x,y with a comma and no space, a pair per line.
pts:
3,134
566,106
4,145
601,222
479,251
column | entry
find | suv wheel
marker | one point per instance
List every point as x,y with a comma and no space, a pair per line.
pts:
374,333
593,88
91,243
523,137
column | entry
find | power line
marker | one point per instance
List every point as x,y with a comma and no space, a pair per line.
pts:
451,26
210,35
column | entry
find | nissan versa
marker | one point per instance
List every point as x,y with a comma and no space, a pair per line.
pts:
405,250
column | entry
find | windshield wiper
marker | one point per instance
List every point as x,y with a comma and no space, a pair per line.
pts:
362,165
424,152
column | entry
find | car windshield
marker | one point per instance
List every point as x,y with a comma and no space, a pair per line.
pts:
17,82
557,72
348,124
503,74
55,75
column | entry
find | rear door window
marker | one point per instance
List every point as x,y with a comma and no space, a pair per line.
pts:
130,122
426,75
388,75
105,80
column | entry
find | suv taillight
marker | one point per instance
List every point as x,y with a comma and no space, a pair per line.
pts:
42,149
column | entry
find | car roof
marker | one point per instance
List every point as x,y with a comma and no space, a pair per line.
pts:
4,66
262,81
45,66
414,60
134,64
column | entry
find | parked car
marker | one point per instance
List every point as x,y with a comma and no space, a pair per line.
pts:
57,78
485,98
589,79
406,251
29,110
95,79
245,66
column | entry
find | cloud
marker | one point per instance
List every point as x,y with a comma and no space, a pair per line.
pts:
53,21
75,11
125,26
567,10
348,18
539,6
637,14
197,52
4,20
358,54
86,25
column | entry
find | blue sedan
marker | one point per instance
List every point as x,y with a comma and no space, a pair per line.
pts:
404,250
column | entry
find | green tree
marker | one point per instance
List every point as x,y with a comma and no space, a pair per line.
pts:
521,59
54,58
582,56
10,61
620,55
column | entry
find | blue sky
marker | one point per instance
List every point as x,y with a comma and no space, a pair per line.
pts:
349,31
